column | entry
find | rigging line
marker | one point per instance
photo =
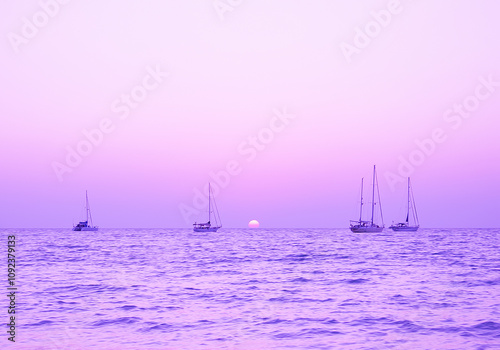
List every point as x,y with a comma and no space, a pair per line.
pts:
89,213
415,214
379,203
219,223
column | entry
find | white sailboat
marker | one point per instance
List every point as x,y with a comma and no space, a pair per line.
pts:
406,226
208,226
361,225
88,224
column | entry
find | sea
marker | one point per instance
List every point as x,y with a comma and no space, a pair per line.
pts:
253,289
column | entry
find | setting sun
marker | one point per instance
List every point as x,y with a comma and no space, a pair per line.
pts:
253,224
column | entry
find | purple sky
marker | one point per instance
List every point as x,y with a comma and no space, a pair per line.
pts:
293,100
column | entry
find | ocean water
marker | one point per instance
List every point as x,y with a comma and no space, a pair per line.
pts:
256,289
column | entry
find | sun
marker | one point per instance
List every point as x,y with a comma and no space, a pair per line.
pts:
253,224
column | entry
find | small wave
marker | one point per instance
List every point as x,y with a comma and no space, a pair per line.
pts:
307,332
74,246
356,281
402,326
41,323
300,300
157,327
296,257
378,334
442,252
368,321
448,329
204,296
338,256
467,334
407,326
166,307
128,307
275,321
479,283
285,335
300,279
310,319
441,305
494,282
362,271
331,321
117,321
205,321
350,302
488,328
82,288
320,331
488,325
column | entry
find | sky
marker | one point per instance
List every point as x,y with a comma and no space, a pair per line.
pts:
282,105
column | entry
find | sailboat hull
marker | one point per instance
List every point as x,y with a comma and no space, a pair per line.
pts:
208,229
363,229
404,228
85,229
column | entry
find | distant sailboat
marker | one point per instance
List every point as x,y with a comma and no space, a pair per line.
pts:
405,226
361,225
84,225
207,226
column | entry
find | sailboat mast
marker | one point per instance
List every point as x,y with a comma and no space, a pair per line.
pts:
408,211
373,193
209,191
87,205
361,205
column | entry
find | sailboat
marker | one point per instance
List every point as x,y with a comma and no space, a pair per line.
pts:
84,225
361,225
405,226
207,226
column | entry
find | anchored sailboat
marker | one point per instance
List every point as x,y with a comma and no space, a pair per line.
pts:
207,226
84,225
406,226
361,225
